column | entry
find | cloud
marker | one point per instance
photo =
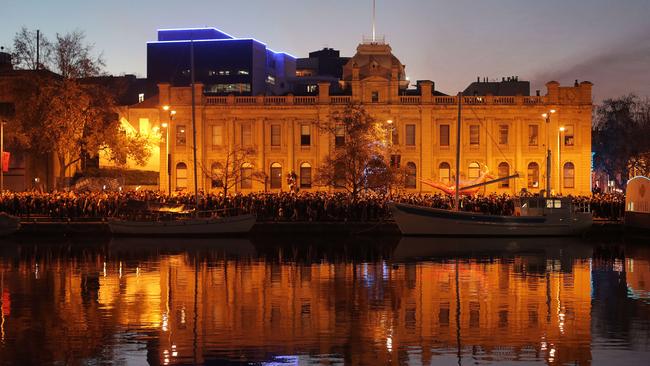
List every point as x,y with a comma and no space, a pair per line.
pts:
619,69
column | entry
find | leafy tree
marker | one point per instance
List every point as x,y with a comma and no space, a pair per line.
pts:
58,114
358,159
619,137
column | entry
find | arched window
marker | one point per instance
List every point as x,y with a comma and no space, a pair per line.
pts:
533,175
444,172
246,176
276,176
504,171
569,175
181,176
411,175
216,175
305,175
474,170
339,175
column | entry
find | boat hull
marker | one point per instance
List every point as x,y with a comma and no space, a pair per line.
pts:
417,220
8,224
224,225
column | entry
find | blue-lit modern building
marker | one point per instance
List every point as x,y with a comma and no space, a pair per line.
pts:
223,63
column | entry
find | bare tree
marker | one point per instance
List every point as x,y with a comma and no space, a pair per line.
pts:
359,158
26,49
72,57
230,171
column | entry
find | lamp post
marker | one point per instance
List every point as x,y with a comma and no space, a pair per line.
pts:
547,117
559,159
167,126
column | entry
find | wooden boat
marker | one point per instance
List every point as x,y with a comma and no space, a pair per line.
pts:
534,216
8,224
239,224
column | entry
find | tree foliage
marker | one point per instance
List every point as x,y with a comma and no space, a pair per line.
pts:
620,137
361,161
58,114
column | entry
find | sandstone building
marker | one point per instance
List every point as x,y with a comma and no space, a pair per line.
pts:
503,133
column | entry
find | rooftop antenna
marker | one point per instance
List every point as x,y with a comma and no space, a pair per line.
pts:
373,21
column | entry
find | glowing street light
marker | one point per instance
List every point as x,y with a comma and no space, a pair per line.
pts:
167,125
547,117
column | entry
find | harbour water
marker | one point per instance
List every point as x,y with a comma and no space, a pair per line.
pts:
282,300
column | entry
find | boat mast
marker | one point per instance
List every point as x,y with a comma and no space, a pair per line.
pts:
196,183
456,201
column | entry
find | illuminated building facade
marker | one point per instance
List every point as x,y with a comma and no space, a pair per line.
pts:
505,134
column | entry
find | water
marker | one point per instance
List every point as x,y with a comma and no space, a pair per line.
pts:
325,301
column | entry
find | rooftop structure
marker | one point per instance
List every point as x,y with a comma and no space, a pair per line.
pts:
222,63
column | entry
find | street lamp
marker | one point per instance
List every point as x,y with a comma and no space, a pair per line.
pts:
547,117
559,159
167,126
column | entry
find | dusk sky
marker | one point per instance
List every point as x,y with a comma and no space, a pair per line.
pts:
449,42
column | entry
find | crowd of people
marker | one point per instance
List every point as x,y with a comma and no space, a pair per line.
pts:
283,206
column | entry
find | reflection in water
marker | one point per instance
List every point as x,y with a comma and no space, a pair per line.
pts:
334,300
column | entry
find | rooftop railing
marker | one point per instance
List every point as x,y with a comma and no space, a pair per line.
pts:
345,99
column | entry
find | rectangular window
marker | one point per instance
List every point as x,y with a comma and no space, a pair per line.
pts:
444,135
410,135
305,135
533,132
503,134
217,136
568,135
181,138
474,135
375,97
242,72
394,135
275,135
395,161
339,136
246,134
140,97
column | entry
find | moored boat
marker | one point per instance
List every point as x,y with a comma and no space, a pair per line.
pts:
239,224
534,216
8,224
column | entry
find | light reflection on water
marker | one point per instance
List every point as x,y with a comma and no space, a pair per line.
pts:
288,301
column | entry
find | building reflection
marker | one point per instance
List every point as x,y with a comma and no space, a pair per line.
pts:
358,303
